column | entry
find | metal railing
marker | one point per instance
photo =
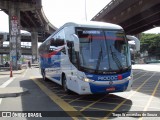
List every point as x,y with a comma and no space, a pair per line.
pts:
7,45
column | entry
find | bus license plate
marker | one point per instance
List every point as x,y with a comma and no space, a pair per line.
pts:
110,89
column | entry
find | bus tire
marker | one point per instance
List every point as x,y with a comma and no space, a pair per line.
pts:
64,84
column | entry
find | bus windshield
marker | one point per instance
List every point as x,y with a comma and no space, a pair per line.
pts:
103,50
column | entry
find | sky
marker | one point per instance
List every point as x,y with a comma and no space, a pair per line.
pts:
59,12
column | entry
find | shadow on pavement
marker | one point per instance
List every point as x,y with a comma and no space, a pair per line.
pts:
37,101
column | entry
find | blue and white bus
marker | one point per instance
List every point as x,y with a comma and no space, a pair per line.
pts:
87,58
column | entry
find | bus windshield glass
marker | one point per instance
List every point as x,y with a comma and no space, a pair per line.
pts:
103,50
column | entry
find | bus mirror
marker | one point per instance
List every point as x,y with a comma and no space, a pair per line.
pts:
76,42
136,42
70,43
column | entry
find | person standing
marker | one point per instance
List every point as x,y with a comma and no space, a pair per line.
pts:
29,64
6,64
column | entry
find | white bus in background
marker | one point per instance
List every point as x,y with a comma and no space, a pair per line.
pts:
134,44
87,58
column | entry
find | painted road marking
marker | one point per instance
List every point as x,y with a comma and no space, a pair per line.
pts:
140,106
93,103
0,100
89,106
4,76
138,73
149,101
74,99
139,77
24,74
94,108
60,102
5,84
132,93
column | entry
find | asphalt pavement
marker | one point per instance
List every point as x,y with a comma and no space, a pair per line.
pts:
19,93
27,96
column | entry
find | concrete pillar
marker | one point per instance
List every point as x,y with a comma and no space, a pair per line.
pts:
14,34
1,56
1,59
34,39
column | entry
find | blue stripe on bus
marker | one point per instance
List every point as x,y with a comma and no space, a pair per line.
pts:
56,78
109,77
103,88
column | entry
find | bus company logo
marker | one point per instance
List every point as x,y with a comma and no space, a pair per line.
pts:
107,78
6,114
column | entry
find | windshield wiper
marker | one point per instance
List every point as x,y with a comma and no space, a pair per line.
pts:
99,60
115,58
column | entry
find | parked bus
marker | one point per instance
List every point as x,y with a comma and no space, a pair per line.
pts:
87,58
134,45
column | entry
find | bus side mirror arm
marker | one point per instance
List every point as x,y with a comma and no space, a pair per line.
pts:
76,42
136,40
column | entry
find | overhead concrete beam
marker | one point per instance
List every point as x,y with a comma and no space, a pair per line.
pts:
29,7
4,4
133,10
39,17
47,22
32,21
23,6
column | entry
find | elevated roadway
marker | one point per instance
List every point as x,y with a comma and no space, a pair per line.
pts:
32,17
25,37
25,15
135,16
26,50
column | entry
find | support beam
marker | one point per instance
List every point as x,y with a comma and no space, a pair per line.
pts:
1,55
34,39
30,19
1,41
24,5
14,33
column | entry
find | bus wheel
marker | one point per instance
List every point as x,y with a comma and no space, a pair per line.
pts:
65,84
43,74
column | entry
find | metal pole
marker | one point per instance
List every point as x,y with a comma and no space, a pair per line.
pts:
11,74
85,10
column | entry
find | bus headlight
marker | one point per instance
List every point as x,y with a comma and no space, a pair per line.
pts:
88,80
129,78
85,79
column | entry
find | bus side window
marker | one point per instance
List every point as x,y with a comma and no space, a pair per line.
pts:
71,53
52,44
60,40
57,41
46,47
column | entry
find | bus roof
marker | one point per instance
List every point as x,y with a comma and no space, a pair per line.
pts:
92,24
89,24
